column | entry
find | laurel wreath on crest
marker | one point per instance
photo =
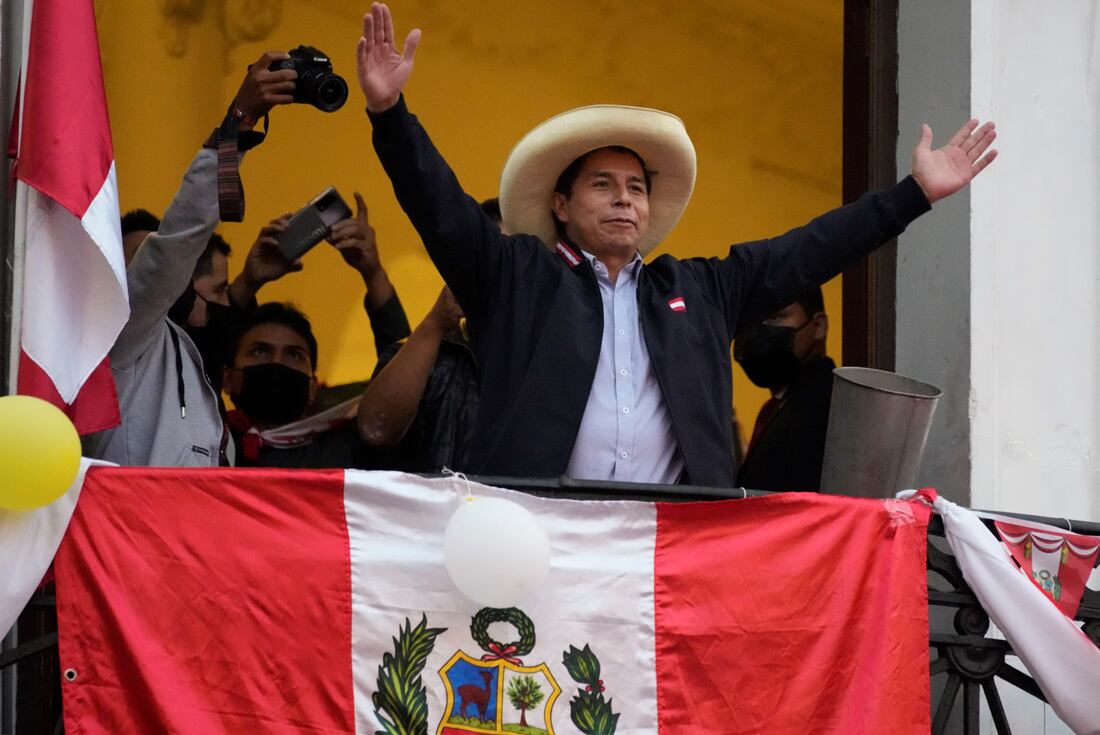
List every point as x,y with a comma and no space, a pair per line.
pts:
590,712
401,693
510,652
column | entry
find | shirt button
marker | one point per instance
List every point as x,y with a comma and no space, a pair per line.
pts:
623,371
622,331
626,409
624,455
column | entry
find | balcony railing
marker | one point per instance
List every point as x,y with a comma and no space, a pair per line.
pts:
966,660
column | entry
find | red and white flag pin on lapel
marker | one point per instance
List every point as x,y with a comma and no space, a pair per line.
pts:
676,303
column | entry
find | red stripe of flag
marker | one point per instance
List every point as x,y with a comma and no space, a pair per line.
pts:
95,407
65,150
782,615
206,629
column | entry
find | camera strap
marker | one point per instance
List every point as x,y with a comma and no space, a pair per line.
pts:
230,141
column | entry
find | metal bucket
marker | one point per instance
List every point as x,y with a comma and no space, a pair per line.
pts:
878,426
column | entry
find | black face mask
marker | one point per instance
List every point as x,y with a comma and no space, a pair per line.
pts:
272,393
766,354
214,341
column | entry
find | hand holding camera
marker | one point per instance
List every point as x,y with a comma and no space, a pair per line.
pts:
304,75
316,83
263,88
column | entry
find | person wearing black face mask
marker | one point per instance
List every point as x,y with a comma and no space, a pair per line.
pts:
786,355
207,314
272,381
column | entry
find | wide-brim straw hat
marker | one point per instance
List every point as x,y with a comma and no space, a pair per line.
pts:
539,158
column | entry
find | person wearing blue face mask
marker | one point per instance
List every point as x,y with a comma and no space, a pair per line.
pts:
786,354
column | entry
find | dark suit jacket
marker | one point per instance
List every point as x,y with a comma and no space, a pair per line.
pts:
536,318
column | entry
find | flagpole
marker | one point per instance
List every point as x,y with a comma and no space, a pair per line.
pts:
19,228
15,22
18,249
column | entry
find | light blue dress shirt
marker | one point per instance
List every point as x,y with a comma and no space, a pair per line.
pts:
626,432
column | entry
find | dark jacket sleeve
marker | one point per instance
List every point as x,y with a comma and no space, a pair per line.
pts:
758,278
385,354
474,258
388,322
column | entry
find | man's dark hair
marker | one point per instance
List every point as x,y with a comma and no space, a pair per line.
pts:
564,185
137,220
277,312
205,264
491,207
812,301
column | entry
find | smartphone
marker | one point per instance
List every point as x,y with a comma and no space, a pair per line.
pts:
309,225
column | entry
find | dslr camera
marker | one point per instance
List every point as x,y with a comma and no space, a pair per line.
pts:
316,84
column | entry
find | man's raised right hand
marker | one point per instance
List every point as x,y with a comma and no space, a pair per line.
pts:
382,70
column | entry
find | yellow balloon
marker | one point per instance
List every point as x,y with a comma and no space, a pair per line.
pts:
39,452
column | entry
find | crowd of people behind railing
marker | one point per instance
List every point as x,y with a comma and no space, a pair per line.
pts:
554,349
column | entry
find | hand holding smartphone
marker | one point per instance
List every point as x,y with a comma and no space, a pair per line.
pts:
310,224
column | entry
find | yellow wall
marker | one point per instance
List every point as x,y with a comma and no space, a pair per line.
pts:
758,85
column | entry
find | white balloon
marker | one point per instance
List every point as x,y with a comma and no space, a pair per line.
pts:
495,551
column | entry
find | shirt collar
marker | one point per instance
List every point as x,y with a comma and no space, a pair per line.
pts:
630,268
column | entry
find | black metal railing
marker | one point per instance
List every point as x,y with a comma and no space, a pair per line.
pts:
966,660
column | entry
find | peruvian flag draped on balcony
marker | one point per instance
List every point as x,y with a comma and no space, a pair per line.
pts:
207,601
73,281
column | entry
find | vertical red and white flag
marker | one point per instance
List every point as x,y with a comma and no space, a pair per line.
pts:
1061,658
201,601
73,294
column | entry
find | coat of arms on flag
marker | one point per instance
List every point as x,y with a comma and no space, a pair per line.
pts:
496,693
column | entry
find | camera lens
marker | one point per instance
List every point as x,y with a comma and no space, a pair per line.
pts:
332,93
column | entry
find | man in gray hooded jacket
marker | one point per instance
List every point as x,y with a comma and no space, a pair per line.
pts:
169,411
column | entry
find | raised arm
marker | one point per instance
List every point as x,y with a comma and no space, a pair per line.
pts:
164,263
358,245
474,258
265,263
760,277
392,399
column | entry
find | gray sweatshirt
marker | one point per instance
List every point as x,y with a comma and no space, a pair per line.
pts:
143,360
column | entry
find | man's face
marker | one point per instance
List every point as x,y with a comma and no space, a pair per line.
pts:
213,288
266,344
607,212
809,337
273,342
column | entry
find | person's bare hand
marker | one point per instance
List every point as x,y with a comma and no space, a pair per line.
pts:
265,262
382,70
943,171
355,239
262,88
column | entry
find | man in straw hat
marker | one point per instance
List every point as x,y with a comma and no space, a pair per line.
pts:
593,364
